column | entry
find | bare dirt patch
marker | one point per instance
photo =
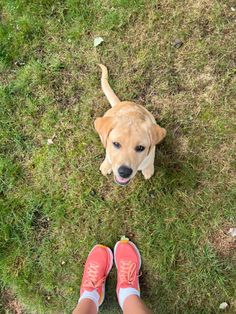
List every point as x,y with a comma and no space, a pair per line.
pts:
10,303
224,243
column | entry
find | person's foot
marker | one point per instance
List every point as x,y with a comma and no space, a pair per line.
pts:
128,263
97,267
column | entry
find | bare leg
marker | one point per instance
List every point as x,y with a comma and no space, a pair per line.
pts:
133,304
85,306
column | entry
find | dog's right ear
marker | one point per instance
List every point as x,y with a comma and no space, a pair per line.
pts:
104,126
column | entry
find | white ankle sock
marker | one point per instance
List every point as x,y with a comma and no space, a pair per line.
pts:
92,295
126,292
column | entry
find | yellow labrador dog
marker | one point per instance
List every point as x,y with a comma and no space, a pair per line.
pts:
129,134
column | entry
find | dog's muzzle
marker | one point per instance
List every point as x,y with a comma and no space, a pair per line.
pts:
123,176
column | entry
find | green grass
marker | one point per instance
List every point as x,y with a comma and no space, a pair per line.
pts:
55,205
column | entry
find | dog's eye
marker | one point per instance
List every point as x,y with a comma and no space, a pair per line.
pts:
139,148
116,144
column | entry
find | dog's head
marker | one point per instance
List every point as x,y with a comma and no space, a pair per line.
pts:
128,142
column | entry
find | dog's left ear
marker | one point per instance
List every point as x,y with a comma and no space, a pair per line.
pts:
157,134
104,126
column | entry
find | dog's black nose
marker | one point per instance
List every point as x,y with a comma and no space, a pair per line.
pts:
125,172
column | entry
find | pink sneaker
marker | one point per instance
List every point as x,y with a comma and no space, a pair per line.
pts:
128,263
97,267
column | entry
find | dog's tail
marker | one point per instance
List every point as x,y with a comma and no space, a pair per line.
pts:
107,90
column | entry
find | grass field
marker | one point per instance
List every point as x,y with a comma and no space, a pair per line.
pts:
55,205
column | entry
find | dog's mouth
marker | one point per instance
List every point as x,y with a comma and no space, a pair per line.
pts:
122,181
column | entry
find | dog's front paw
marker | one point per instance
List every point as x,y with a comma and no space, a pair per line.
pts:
105,168
148,172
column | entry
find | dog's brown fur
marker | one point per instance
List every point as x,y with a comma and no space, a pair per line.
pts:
130,125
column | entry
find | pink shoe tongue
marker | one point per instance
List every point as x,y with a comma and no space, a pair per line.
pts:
125,285
89,289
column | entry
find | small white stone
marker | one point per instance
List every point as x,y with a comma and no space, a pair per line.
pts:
50,141
233,9
97,41
63,263
223,306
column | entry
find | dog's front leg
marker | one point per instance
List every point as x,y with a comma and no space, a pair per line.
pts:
105,167
148,168
148,172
